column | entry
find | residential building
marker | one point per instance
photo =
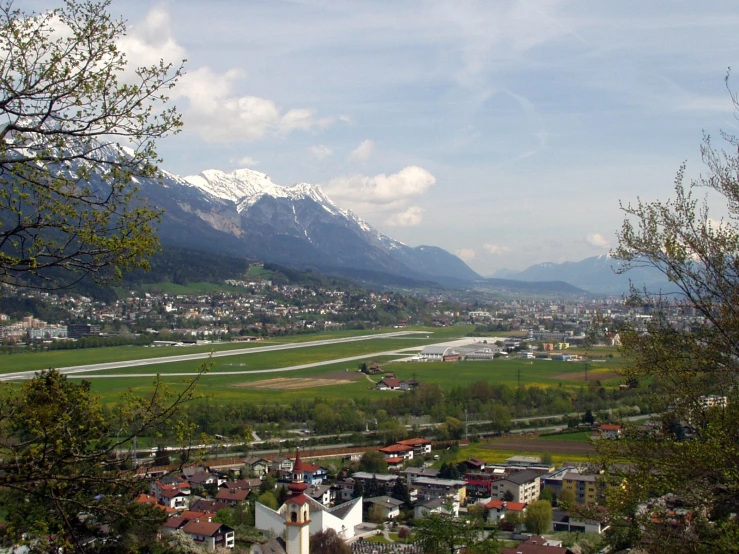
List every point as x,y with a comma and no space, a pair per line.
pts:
397,451
583,486
420,446
496,510
429,488
314,474
523,486
389,506
435,506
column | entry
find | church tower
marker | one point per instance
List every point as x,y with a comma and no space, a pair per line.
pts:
297,515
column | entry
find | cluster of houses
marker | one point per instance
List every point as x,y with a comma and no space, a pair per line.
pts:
342,504
261,307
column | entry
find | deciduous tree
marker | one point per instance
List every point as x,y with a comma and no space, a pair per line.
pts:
538,516
328,542
681,490
58,477
68,204
439,533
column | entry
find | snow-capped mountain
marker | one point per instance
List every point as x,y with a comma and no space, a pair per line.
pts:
245,213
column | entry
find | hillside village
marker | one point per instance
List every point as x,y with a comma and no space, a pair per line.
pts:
375,490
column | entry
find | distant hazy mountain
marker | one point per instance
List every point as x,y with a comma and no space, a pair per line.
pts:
530,287
594,274
245,213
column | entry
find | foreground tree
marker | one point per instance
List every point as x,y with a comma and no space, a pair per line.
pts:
67,205
680,492
59,482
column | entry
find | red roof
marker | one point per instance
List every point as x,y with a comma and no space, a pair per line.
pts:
394,460
175,522
391,382
310,468
171,493
298,465
233,494
188,514
395,449
609,427
414,442
146,499
204,528
512,506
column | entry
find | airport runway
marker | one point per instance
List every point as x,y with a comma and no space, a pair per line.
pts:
246,371
84,369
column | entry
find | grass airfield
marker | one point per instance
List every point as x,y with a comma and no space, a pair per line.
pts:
242,377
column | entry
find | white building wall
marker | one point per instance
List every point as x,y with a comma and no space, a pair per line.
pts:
266,519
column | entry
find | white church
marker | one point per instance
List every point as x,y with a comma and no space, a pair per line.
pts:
301,516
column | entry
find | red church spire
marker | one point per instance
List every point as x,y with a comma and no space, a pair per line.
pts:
297,487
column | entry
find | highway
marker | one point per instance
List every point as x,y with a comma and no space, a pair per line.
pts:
84,369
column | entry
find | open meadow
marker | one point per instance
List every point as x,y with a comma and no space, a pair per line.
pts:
332,380
325,370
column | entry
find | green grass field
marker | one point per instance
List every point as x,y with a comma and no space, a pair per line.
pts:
230,379
35,361
500,456
258,271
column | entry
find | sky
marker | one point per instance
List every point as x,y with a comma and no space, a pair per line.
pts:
504,131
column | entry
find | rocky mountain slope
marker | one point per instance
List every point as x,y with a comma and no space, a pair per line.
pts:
245,213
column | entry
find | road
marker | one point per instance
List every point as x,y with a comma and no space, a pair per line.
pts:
82,369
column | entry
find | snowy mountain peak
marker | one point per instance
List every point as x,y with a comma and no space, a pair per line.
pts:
237,186
245,187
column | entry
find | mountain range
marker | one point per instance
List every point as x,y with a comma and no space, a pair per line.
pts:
244,213
597,274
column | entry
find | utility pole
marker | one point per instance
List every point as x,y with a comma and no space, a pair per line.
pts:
465,425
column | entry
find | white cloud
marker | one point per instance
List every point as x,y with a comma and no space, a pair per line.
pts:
149,41
407,183
363,152
596,239
466,254
220,116
320,151
496,249
246,161
409,218
214,109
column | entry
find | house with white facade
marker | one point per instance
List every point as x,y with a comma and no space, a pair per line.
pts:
523,486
